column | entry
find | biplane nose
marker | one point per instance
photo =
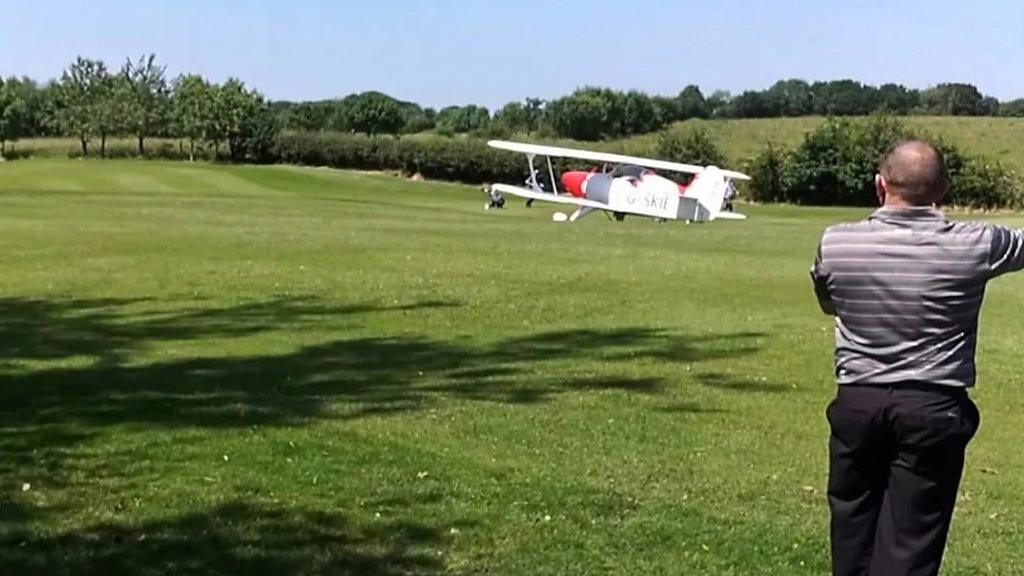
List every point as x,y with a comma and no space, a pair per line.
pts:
573,182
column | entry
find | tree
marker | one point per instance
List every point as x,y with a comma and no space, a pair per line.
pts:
897,99
790,98
12,113
32,119
751,104
416,119
232,106
258,132
718,104
638,116
77,99
689,147
370,113
589,113
844,98
305,116
462,119
1014,108
243,119
111,98
191,109
954,99
690,103
146,98
666,108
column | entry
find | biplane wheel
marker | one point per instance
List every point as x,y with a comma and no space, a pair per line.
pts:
619,216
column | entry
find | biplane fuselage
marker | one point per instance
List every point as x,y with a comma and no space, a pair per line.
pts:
631,187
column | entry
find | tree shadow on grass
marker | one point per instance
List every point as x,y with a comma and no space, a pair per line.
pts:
109,331
66,374
345,378
50,407
236,538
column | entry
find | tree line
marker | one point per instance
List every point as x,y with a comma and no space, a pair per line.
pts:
91,103
594,113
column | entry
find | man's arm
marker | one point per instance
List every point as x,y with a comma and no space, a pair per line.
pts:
1007,253
820,279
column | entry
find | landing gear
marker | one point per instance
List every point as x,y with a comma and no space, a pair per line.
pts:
619,216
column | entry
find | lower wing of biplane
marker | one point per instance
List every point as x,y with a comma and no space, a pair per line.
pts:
643,194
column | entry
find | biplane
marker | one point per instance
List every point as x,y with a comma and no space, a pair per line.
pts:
625,185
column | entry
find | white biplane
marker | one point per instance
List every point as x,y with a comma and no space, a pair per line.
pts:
626,185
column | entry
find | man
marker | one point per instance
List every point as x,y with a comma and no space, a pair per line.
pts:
905,287
494,198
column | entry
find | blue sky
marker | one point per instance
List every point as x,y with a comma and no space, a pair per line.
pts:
443,52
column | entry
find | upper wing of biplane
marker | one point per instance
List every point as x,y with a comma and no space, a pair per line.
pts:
605,157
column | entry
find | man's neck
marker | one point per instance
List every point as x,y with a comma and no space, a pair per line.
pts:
898,203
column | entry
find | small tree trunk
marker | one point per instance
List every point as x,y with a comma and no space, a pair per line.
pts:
191,149
103,145
85,146
142,147
3,147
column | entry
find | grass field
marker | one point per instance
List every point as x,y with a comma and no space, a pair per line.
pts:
270,370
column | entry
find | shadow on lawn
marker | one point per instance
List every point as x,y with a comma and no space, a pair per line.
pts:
67,372
346,378
235,538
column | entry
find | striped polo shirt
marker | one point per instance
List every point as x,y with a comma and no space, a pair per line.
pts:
906,287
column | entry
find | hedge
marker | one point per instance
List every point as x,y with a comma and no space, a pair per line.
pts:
836,163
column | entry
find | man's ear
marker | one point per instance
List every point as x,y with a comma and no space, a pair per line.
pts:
880,189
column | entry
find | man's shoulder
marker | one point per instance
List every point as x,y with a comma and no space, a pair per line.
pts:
846,229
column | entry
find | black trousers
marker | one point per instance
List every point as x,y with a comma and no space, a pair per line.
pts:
895,459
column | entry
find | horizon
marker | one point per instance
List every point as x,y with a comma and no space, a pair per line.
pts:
315,50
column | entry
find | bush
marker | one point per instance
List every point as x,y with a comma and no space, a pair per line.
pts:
689,146
836,164
459,159
768,172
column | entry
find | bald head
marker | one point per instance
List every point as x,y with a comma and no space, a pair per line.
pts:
914,171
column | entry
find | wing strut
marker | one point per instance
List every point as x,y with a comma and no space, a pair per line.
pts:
551,173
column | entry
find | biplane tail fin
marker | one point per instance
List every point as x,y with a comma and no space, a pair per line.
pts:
708,191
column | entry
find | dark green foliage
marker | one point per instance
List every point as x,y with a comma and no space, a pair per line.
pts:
790,98
468,160
307,116
769,172
1014,108
956,99
416,119
836,164
844,98
691,104
519,117
462,119
592,113
751,104
12,113
690,146
897,99
34,100
369,113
